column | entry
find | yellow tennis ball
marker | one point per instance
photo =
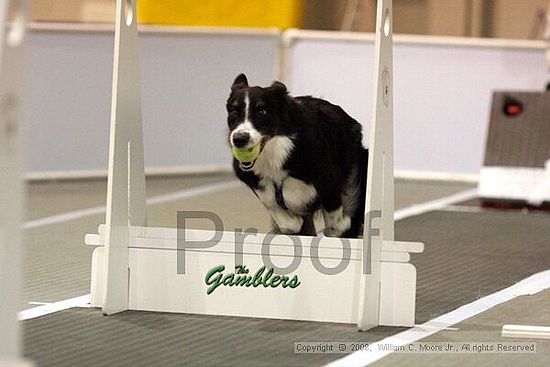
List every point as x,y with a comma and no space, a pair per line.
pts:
246,155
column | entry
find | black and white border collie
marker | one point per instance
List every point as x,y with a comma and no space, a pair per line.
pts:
311,158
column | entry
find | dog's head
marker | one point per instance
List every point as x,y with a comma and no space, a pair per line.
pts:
255,114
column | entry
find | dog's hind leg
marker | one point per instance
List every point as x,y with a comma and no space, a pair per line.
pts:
355,230
336,220
354,195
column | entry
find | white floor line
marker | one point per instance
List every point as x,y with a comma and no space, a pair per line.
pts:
529,286
445,329
197,191
178,195
82,301
477,210
437,204
65,217
469,209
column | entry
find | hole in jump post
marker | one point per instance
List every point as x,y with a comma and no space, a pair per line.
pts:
129,12
16,26
387,22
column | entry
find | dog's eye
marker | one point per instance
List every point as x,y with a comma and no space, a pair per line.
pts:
262,111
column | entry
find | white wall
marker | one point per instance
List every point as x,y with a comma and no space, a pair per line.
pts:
442,89
442,92
186,77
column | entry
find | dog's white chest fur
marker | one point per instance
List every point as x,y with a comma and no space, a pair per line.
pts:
297,194
269,167
270,163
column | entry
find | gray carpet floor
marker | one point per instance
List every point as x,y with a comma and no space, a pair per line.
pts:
467,256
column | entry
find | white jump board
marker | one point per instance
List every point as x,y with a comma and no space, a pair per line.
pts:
526,331
155,284
515,183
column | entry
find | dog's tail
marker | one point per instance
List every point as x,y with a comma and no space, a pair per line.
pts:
357,190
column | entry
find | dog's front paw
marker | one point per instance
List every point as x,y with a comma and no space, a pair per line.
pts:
286,222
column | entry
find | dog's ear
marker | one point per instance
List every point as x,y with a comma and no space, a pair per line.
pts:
240,82
278,88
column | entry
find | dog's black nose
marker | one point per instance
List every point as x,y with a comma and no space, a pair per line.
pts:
241,139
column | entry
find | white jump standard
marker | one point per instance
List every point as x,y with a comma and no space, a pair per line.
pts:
368,281
12,35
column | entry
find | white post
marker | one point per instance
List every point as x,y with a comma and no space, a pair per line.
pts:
379,200
11,39
546,36
126,183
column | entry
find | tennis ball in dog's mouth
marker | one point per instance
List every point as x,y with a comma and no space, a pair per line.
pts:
246,155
